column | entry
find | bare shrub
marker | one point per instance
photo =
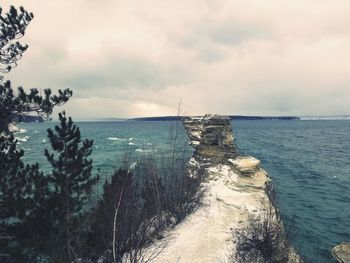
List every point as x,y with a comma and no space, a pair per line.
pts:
262,240
137,206
145,196
123,222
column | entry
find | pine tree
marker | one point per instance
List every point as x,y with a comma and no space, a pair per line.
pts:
12,27
14,105
71,181
21,186
16,201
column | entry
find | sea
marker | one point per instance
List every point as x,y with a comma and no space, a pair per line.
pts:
308,161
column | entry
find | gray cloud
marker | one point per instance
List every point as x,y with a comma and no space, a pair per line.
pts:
226,32
232,57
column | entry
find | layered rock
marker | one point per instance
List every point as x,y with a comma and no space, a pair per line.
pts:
236,189
212,138
245,165
341,252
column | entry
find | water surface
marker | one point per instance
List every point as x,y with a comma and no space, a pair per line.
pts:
309,161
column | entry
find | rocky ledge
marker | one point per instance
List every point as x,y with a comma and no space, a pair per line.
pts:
341,252
212,138
236,190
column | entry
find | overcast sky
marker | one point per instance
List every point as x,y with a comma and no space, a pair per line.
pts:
127,58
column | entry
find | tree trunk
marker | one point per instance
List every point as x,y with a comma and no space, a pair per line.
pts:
115,224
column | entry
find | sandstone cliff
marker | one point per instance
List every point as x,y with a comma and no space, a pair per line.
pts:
236,189
341,252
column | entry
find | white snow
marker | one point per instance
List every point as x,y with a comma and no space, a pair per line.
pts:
207,234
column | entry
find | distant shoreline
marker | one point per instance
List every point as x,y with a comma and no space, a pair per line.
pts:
34,119
233,117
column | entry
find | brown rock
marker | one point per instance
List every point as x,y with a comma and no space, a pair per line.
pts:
341,252
212,138
245,165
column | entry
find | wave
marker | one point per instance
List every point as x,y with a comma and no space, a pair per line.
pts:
132,138
131,143
115,139
22,139
21,130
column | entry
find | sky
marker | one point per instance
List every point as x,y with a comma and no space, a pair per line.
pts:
140,58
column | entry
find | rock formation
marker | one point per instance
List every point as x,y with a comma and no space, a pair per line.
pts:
212,138
236,189
341,252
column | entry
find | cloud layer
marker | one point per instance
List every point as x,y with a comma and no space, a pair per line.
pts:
138,58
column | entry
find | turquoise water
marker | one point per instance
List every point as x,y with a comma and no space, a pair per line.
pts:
309,161
111,140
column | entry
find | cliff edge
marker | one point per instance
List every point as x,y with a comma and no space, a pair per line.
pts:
236,189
